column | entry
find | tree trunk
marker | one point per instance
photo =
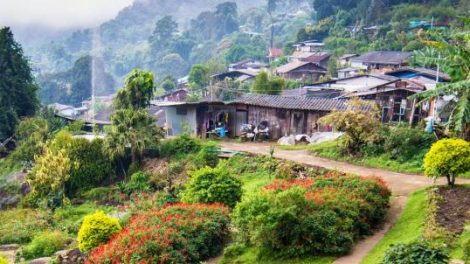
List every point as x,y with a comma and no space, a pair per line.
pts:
450,180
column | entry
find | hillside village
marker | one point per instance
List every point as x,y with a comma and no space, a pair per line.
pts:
243,132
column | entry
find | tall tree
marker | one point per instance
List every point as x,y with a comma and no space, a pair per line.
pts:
137,92
163,33
198,78
17,86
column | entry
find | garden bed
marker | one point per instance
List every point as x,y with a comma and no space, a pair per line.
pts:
453,208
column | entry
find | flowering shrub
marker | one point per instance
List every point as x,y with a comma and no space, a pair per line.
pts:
317,216
96,229
177,233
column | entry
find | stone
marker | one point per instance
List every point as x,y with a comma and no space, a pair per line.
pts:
45,260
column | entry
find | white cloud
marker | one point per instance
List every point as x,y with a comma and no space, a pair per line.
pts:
60,14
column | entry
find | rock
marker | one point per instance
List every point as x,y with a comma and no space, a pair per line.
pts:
9,247
40,261
70,257
286,140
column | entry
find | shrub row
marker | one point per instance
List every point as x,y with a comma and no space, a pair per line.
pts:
178,233
317,216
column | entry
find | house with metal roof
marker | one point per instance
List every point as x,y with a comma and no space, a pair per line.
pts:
381,61
283,115
301,70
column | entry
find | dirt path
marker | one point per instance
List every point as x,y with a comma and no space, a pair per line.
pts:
401,185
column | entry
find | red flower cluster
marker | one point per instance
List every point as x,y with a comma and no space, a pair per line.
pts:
282,185
176,233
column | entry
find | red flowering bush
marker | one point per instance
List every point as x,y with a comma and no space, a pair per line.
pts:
319,216
176,233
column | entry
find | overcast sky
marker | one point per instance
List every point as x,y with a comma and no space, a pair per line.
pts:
60,14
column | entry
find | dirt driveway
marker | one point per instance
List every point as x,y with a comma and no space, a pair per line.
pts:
401,184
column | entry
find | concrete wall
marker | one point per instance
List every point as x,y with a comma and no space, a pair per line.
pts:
176,119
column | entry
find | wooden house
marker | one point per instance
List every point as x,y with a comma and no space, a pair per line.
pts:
301,70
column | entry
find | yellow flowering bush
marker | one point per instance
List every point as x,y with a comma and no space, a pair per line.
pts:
96,229
449,158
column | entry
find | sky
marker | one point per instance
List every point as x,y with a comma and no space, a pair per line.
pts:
59,14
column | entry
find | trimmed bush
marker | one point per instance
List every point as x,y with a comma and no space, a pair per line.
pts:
449,158
213,185
96,229
320,216
45,244
404,143
415,253
209,154
178,233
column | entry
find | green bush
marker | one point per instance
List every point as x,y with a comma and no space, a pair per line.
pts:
449,158
93,167
139,182
181,145
404,143
45,244
95,230
321,216
69,218
21,225
209,154
212,185
415,253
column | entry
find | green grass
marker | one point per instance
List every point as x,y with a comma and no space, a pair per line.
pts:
292,147
250,257
330,150
457,252
253,182
7,167
408,227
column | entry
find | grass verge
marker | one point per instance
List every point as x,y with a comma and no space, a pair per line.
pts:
407,229
249,256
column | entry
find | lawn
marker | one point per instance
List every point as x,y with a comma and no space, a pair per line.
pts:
8,167
249,257
330,150
406,229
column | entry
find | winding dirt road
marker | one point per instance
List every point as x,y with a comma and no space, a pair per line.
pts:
401,184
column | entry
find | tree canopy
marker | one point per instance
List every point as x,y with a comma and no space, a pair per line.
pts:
17,85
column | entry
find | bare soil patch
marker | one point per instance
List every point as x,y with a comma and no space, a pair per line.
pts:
454,208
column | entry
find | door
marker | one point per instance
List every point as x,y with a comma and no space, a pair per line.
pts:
241,118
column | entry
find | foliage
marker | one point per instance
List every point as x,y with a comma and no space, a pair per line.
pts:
415,253
168,84
69,218
139,182
44,244
209,154
404,143
49,176
181,145
137,91
17,88
21,225
134,128
265,85
456,61
317,216
32,133
359,123
3,259
96,229
198,78
213,185
91,168
178,233
449,158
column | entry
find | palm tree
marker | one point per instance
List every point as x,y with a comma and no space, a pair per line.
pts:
455,59
133,129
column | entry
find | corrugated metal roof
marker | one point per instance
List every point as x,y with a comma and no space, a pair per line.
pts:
383,57
295,103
